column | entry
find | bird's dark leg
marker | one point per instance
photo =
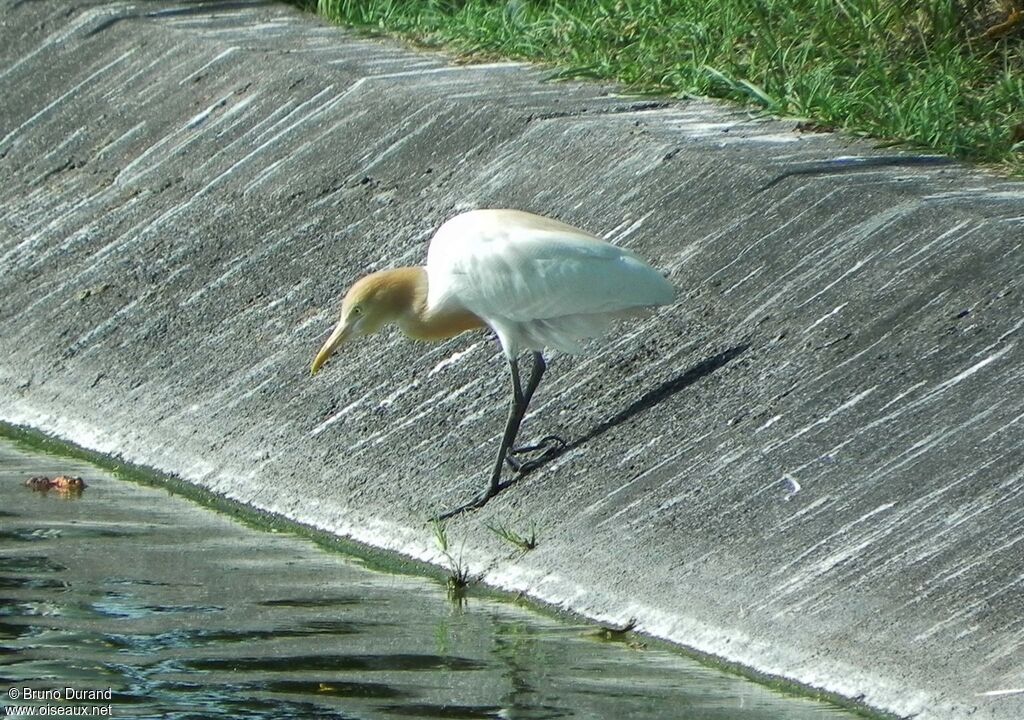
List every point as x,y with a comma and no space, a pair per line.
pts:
539,366
515,418
550,444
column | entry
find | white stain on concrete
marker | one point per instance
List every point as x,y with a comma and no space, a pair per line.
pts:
88,81
454,358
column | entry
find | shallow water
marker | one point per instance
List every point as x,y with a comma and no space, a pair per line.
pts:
186,613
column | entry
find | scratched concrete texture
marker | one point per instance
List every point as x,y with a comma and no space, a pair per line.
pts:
810,465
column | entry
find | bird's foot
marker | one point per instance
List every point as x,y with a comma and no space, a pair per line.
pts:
478,502
549,447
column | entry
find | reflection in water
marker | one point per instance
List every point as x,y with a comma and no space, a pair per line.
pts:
185,613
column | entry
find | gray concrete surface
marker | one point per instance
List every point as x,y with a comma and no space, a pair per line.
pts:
811,465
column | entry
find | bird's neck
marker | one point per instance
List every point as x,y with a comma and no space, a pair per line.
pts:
415,318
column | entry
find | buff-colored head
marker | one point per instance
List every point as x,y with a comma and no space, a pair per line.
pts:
372,302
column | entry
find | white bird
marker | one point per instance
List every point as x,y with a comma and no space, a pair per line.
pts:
536,282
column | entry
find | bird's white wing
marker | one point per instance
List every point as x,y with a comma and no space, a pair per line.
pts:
537,282
508,264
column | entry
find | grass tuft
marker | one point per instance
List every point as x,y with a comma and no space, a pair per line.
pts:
458,579
522,543
947,75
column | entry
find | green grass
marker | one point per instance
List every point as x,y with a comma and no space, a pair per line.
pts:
458,579
916,72
523,543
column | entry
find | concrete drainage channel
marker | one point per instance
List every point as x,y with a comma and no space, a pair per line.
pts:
810,465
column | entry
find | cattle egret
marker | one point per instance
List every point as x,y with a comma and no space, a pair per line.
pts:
536,282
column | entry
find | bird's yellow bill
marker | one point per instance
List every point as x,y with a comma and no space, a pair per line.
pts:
337,337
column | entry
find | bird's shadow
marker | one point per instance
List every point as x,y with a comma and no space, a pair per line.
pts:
645,402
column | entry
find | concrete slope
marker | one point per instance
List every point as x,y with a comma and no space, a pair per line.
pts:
810,465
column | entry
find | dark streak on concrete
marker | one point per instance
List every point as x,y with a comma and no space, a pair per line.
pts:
853,164
838,498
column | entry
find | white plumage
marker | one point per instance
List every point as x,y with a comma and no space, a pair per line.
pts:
537,282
